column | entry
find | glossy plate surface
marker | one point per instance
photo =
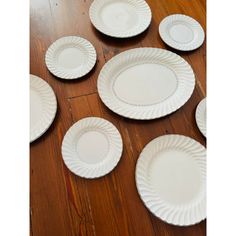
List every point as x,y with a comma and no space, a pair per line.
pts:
145,83
43,107
70,57
120,18
92,147
171,179
181,32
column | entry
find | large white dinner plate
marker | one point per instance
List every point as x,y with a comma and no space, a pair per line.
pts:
92,147
171,179
145,83
200,116
70,57
43,107
181,32
120,18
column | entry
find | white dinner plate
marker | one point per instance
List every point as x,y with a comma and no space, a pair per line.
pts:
43,107
70,57
145,83
92,147
200,116
171,179
120,18
181,32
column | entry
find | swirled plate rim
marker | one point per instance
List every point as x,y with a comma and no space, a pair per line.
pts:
81,168
200,116
50,107
184,89
183,215
73,73
143,25
194,44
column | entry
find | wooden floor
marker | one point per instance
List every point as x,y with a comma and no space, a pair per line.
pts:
63,204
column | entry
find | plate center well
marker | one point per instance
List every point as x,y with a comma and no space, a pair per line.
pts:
119,15
175,176
92,147
181,33
70,58
35,107
145,84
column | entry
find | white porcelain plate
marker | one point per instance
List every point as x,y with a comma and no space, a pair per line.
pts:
145,83
43,107
92,147
181,32
171,179
70,57
200,116
120,18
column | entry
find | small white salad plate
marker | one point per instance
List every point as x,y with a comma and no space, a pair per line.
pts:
70,57
200,116
43,107
120,18
171,179
145,83
92,147
181,32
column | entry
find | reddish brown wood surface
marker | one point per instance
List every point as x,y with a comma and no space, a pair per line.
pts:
63,204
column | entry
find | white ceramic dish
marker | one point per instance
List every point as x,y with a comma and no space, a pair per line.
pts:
43,107
171,179
145,83
92,147
200,116
70,57
181,32
120,18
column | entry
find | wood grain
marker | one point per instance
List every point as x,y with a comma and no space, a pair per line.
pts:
63,204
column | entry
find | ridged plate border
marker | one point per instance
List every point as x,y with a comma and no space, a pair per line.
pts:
200,116
196,27
49,104
182,215
142,7
184,72
74,41
70,155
